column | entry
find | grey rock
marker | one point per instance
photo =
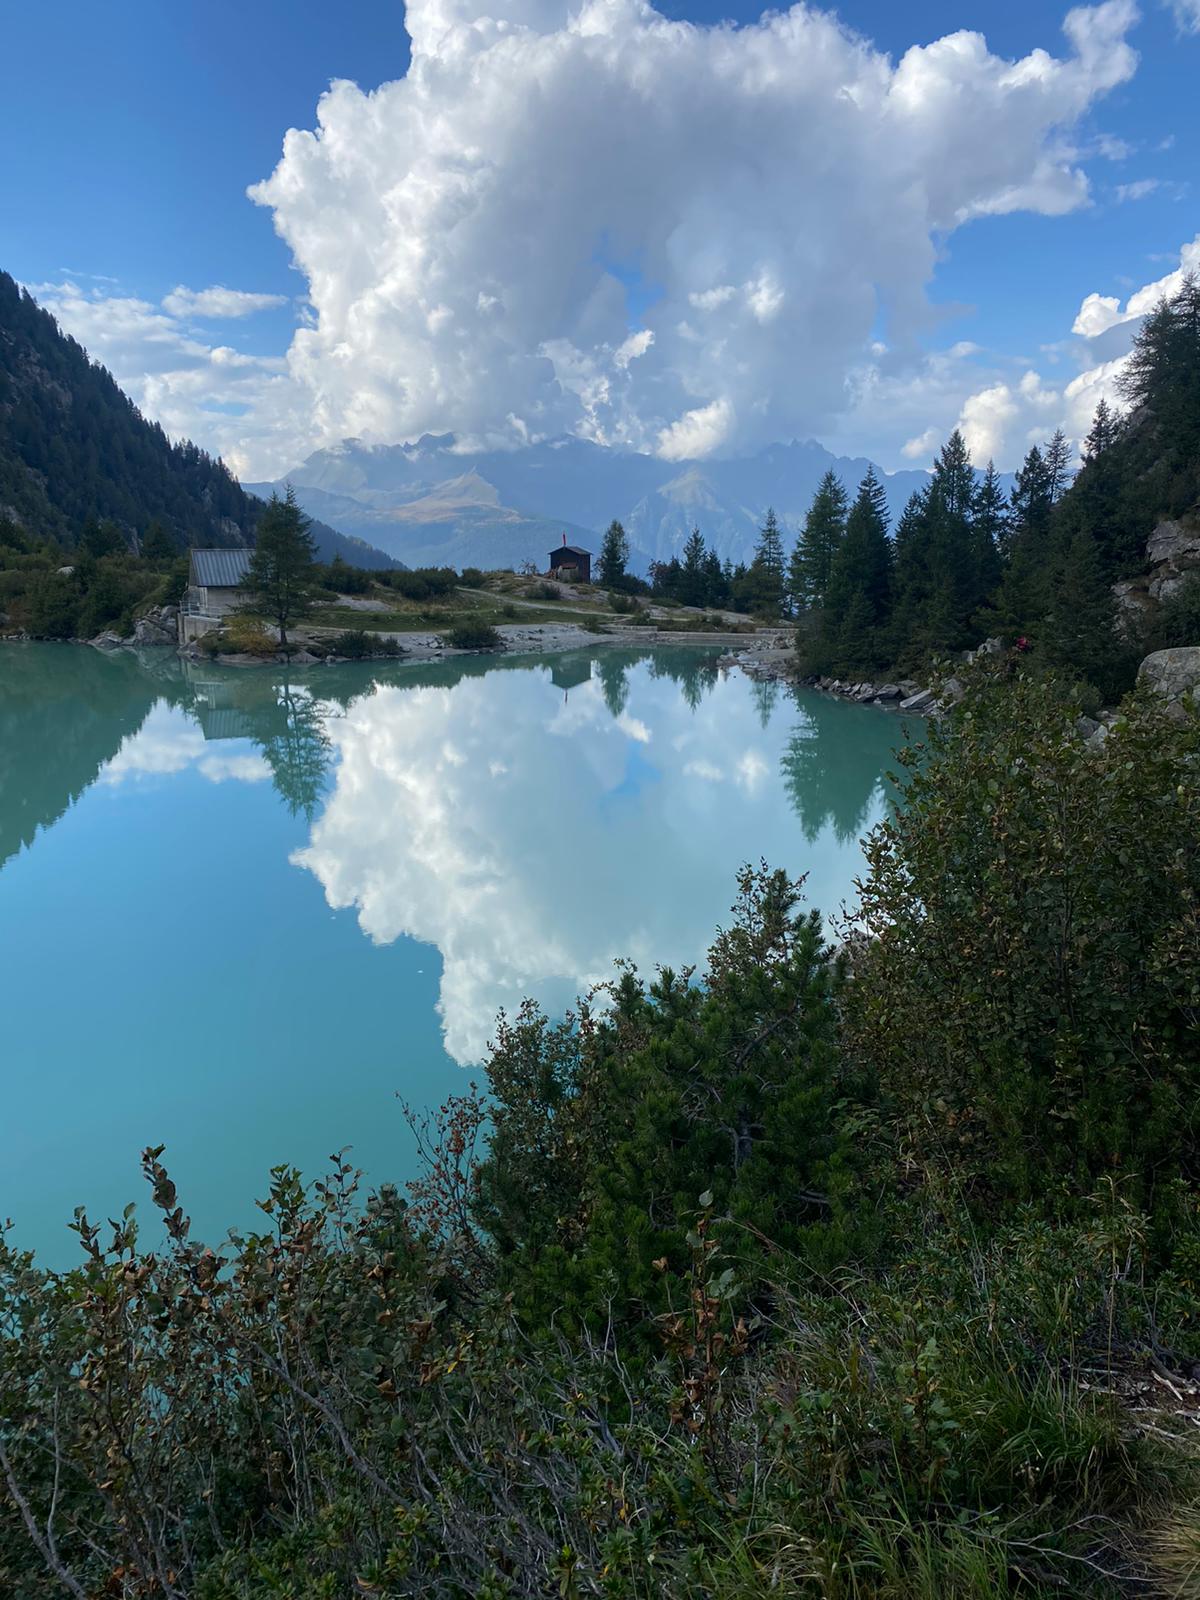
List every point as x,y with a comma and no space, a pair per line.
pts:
1173,674
1133,601
1174,542
1087,726
952,692
888,691
148,631
921,701
1164,584
65,572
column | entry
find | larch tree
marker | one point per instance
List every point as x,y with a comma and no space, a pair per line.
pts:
282,578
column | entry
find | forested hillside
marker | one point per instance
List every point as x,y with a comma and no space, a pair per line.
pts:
75,450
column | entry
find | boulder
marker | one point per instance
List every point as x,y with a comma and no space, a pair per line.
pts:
147,631
65,572
921,701
1173,674
888,691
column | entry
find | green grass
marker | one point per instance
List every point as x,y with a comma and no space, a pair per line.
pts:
434,619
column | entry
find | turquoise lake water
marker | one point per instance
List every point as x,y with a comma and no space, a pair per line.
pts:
240,914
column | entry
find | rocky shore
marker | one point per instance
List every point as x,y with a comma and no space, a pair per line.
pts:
160,628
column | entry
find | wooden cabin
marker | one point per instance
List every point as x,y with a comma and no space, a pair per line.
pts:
570,563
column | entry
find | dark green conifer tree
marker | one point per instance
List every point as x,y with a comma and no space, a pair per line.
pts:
989,519
766,569
156,543
852,636
282,579
693,582
1058,466
1024,589
812,558
614,556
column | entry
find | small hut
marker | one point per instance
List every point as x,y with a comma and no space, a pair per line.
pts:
571,563
215,581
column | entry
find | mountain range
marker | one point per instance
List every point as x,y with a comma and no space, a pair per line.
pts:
433,503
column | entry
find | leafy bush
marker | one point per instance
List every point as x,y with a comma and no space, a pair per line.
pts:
541,591
473,577
623,604
341,578
424,583
356,645
1029,916
239,635
472,636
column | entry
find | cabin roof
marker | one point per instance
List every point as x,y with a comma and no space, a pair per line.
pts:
220,569
570,550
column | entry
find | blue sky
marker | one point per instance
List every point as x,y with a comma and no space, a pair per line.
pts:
142,124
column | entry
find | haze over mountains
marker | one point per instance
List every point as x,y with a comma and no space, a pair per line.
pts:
432,504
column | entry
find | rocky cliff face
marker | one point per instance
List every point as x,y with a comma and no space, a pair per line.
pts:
1173,556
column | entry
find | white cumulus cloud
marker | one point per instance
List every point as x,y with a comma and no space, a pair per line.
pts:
218,304
482,237
1005,418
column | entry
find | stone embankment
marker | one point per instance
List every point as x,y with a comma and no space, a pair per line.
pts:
776,663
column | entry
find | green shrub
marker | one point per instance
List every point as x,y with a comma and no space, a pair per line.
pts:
472,636
424,583
341,578
356,645
1026,958
473,577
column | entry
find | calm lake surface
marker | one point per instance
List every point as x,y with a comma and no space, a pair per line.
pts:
240,913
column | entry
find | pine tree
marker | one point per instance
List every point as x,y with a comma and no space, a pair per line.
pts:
1028,549
812,559
767,566
716,586
1080,635
852,636
941,578
1094,503
614,555
1058,466
989,521
156,543
281,581
1104,433
693,581
102,539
